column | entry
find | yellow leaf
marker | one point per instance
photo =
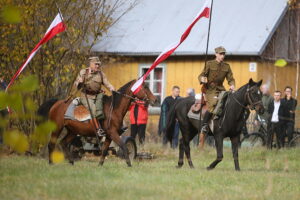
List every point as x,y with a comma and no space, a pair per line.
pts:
10,14
16,140
280,63
57,157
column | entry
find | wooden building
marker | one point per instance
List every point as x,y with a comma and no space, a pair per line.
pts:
252,32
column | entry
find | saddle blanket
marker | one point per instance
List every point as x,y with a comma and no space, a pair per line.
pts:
77,112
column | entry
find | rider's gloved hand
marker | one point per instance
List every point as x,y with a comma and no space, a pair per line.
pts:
203,79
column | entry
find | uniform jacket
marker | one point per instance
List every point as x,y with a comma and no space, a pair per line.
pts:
138,113
216,73
92,82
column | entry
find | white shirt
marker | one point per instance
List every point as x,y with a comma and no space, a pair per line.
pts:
275,112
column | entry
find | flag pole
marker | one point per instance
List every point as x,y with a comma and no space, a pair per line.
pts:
208,33
203,88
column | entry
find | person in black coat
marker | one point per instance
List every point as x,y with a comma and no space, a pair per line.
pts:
274,125
165,107
287,114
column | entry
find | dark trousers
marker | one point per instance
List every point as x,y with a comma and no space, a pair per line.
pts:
275,128
175,136
287,130
139,129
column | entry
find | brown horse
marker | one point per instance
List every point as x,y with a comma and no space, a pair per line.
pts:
114,107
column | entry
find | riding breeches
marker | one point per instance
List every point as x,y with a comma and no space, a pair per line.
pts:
212,99
96,105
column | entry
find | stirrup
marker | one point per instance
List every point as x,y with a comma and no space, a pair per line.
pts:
100,132
204,129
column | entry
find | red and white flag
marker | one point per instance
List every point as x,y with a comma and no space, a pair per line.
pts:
204,12
56,27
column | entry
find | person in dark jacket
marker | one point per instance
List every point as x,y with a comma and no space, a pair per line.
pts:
165,107
3,85
274,122
138,119
287,114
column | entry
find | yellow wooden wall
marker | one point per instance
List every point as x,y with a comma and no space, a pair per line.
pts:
180,71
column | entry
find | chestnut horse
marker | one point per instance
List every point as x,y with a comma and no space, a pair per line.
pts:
114,107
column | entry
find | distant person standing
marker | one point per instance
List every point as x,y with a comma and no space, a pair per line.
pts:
138,119
266,99
273,122
287,114
165,107
3,84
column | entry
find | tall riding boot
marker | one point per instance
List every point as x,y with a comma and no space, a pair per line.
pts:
206,119
99,129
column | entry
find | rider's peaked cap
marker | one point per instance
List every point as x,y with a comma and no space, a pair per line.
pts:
94,59
220,50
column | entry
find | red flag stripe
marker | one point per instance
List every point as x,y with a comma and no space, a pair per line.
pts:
204,12
56,27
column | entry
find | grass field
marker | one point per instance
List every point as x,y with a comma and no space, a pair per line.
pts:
264,175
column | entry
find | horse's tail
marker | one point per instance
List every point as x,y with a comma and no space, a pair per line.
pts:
171,120
44,109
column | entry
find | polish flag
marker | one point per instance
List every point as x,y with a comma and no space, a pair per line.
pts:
56,27
204,12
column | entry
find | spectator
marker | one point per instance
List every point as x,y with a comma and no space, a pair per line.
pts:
190,92
138,119
266,100
287,114
165,107
274,124
3,85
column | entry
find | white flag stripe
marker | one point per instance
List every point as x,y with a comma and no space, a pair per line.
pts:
58,19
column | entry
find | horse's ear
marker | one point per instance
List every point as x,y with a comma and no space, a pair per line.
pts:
259,83
251,82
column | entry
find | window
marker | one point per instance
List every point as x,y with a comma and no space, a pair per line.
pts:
155,81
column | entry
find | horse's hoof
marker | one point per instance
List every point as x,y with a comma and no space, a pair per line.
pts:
192,167
101,164
209,168
71,162
238,169
179,166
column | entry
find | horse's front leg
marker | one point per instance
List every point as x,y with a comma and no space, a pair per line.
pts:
234,146
116,138
104,150
219,148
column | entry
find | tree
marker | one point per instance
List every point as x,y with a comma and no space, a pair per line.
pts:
57,63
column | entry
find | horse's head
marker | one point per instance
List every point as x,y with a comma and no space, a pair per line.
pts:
254,96
145,94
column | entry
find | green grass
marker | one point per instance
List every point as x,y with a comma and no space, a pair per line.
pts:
264,175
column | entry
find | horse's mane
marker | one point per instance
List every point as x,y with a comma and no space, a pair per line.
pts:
117,97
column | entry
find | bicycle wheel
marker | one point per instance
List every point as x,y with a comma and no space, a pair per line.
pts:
253,140
295,142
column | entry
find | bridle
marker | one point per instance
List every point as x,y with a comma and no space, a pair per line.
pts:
135,99
249,98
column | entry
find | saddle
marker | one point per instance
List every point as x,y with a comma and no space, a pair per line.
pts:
77,112
194,112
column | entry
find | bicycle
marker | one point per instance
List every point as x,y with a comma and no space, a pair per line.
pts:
259,138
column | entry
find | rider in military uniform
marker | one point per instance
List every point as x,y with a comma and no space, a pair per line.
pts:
90,80
213,75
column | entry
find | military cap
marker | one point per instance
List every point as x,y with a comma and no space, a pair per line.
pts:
220,49
94,59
